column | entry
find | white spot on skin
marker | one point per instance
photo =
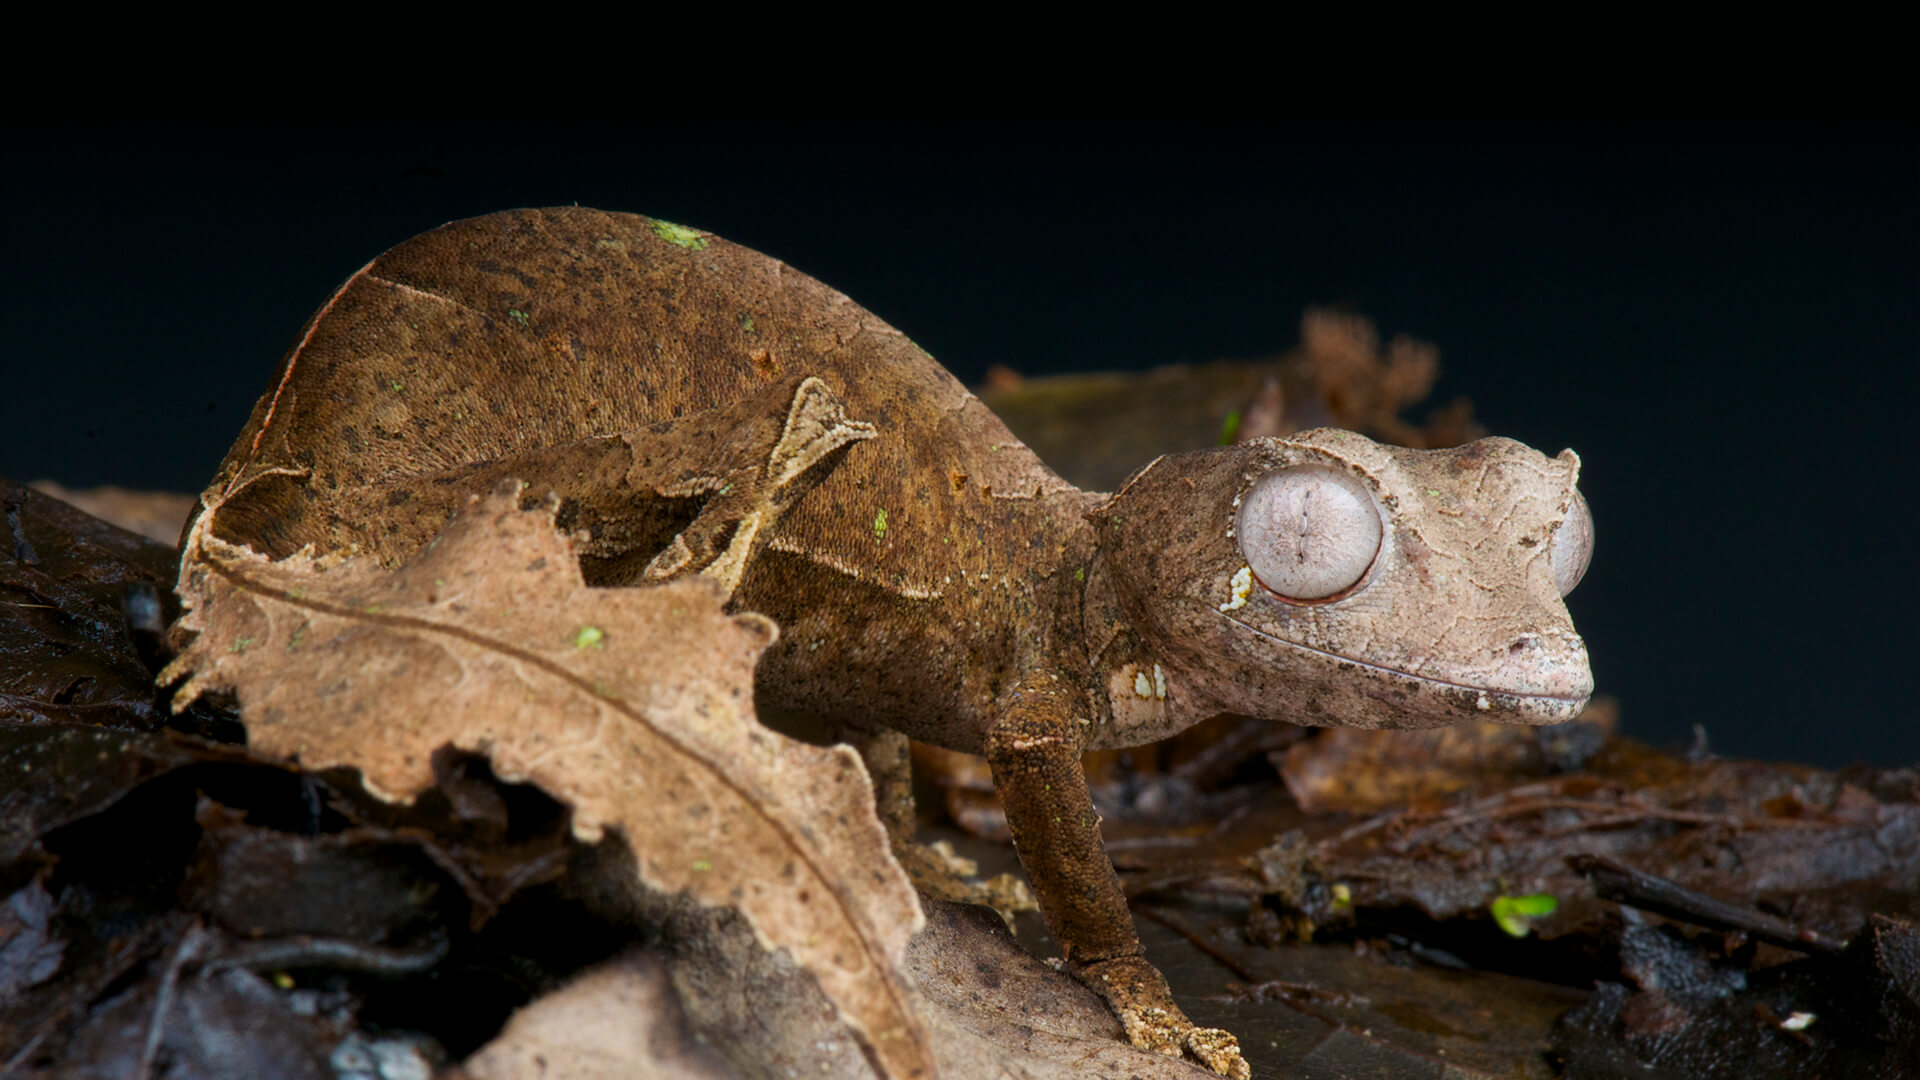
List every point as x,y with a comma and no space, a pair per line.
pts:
1484,703
1797,1022
1159,683
1142,687
1242,588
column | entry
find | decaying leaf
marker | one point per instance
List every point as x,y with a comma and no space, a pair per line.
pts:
1368,771
81,607
156,515
1094,429
633,706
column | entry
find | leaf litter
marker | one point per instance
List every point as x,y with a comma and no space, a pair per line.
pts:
474,644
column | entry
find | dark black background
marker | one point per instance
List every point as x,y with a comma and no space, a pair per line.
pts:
1723,323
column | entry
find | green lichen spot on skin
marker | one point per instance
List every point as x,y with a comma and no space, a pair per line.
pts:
589,637
746,323
702,865
240,645
519,316
880,525
1230,427
1079,573
294,641
679,234
1515,914
393,385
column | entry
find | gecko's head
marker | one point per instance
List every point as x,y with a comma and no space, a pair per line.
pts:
1327,579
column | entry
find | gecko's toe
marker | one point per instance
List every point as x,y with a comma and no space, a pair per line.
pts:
1218,1050
1154,1029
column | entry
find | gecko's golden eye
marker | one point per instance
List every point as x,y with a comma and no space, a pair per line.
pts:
1572,546
1309,532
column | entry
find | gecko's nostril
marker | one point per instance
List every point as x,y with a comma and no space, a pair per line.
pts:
1519,647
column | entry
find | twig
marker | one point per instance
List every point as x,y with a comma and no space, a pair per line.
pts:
1616,881
1198,942
14,1061
304,951
185,953
1505,806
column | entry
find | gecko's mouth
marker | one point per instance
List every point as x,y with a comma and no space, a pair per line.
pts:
1535,708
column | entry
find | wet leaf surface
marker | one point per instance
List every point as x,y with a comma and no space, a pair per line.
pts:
82,608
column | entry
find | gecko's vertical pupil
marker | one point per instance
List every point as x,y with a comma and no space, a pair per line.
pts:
1309,532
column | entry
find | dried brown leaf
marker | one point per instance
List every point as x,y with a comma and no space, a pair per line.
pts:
633,706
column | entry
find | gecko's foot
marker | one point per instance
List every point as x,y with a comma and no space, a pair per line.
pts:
1217,1049
938,871
1139,997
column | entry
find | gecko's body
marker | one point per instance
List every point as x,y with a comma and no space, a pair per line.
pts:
704,409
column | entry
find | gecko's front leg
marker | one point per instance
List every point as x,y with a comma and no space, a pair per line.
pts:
1034,750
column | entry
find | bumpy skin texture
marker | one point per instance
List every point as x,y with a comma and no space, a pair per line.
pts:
701,408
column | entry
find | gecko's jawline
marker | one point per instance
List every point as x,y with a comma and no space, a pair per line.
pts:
1541,703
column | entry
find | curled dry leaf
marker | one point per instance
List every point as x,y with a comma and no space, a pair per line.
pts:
634,706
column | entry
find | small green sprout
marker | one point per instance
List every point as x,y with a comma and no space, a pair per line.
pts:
1515,914
589,637
1230,427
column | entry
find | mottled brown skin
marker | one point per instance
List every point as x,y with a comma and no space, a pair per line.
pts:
930,576
921,628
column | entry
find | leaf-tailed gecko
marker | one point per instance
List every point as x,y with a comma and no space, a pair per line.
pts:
703,409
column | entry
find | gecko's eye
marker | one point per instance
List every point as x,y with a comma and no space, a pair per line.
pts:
1572,546
1309,532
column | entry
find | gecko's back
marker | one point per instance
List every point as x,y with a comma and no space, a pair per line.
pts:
491,339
